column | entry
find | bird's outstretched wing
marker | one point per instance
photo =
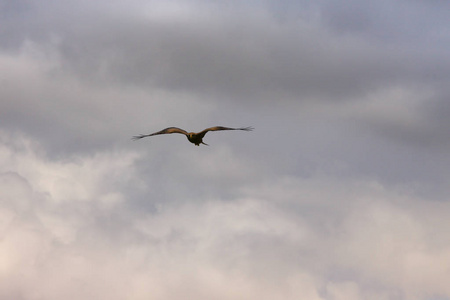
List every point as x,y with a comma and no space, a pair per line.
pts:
164,131
217,128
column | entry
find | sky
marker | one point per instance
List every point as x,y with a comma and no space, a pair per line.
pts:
341,192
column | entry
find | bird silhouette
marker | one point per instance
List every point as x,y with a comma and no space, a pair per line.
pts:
195,138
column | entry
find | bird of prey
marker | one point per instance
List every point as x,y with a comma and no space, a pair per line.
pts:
195,138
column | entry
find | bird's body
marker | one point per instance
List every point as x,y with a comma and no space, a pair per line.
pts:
195,138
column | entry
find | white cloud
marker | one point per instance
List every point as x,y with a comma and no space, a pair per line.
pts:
316,238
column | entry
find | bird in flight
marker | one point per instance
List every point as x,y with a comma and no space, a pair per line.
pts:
195,138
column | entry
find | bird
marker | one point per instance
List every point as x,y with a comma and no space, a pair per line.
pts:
195,138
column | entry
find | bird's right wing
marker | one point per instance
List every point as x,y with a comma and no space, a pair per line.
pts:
164,131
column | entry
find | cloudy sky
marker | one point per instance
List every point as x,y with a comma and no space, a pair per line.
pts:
342,191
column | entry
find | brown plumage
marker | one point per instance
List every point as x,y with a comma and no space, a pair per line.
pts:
195,138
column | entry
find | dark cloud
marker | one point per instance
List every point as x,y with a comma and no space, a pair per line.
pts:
221,52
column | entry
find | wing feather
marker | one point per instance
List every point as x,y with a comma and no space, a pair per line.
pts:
164,131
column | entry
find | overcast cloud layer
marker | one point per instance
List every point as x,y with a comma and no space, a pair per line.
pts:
341,192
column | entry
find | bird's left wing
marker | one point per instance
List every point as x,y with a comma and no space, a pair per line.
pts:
217,128
164,131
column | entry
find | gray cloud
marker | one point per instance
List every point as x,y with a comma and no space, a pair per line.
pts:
341,192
